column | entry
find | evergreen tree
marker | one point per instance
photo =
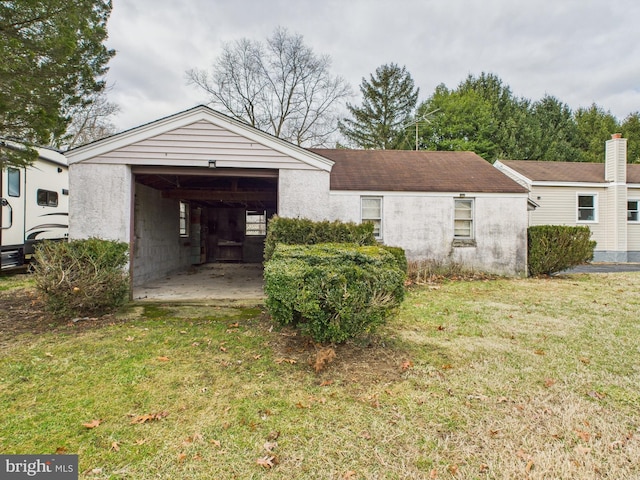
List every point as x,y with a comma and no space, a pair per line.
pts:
52,58
388,101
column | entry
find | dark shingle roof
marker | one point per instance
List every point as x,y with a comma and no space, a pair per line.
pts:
415,171
567,171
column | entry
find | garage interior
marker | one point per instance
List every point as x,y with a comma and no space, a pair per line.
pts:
222,215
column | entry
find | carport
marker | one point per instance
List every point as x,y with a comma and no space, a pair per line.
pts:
192,189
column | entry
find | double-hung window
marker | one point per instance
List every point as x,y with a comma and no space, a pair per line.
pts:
256,223
632,210
463,219
371,211
587,208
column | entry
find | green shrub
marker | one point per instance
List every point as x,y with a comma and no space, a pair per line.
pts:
553,248
82,277
301,231
333,292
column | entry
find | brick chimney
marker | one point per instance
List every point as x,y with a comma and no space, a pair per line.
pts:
616,159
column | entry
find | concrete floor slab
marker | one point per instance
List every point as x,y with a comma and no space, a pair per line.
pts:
211,281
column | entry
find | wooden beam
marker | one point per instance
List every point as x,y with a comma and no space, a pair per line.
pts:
221,195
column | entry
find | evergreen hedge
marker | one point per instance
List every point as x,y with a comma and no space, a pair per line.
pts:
554,248
82,277
301,231
333,292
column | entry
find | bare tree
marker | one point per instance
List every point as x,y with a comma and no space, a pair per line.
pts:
281,87
90,121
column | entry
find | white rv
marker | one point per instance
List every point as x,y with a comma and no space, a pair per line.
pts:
34,205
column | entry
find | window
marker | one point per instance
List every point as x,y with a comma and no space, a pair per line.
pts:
47,198
632,210
371,211
256,224
184,219
587,208
13,179
463,219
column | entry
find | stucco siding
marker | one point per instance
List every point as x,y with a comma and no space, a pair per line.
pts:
303,194
99,201
198,144
422,224
157,247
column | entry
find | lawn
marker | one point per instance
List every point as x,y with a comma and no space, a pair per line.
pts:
498,379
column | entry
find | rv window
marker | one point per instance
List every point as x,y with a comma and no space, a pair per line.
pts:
47,198
13,179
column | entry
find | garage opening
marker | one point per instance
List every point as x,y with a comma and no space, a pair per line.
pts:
188,216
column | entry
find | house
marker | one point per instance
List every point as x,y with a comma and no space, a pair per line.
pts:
602,196
199,186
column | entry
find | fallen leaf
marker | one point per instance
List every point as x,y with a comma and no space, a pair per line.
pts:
223,349
163,359
149,417
433,473
92,423
453,469
270,446
257,357
484,468
115,447
585,360
348,475
549,382
596,395
129,338
290,361
181,457
267,462
529,466
585,436
447,366
234,325
273,435
326,383
215,443
406,365
141,441
61,450
582,450
539,352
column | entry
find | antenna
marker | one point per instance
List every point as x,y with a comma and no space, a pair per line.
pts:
422,120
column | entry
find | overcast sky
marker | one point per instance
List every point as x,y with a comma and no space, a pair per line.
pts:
580,51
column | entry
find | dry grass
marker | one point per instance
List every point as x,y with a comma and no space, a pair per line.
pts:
500,379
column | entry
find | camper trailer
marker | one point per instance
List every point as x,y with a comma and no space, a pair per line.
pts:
35,205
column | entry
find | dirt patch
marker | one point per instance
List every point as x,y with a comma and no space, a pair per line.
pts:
22,311
357,361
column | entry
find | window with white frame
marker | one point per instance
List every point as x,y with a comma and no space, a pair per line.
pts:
587,208
632,210
184,219
256,223
371,211
463,219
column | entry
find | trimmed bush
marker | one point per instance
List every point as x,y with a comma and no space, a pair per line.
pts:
82,277
301,231
553,248
333,292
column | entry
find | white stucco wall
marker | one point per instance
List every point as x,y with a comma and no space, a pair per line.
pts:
99,201
422,224
303,194
158,248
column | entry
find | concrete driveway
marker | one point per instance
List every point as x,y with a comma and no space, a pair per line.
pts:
605,268
211,281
